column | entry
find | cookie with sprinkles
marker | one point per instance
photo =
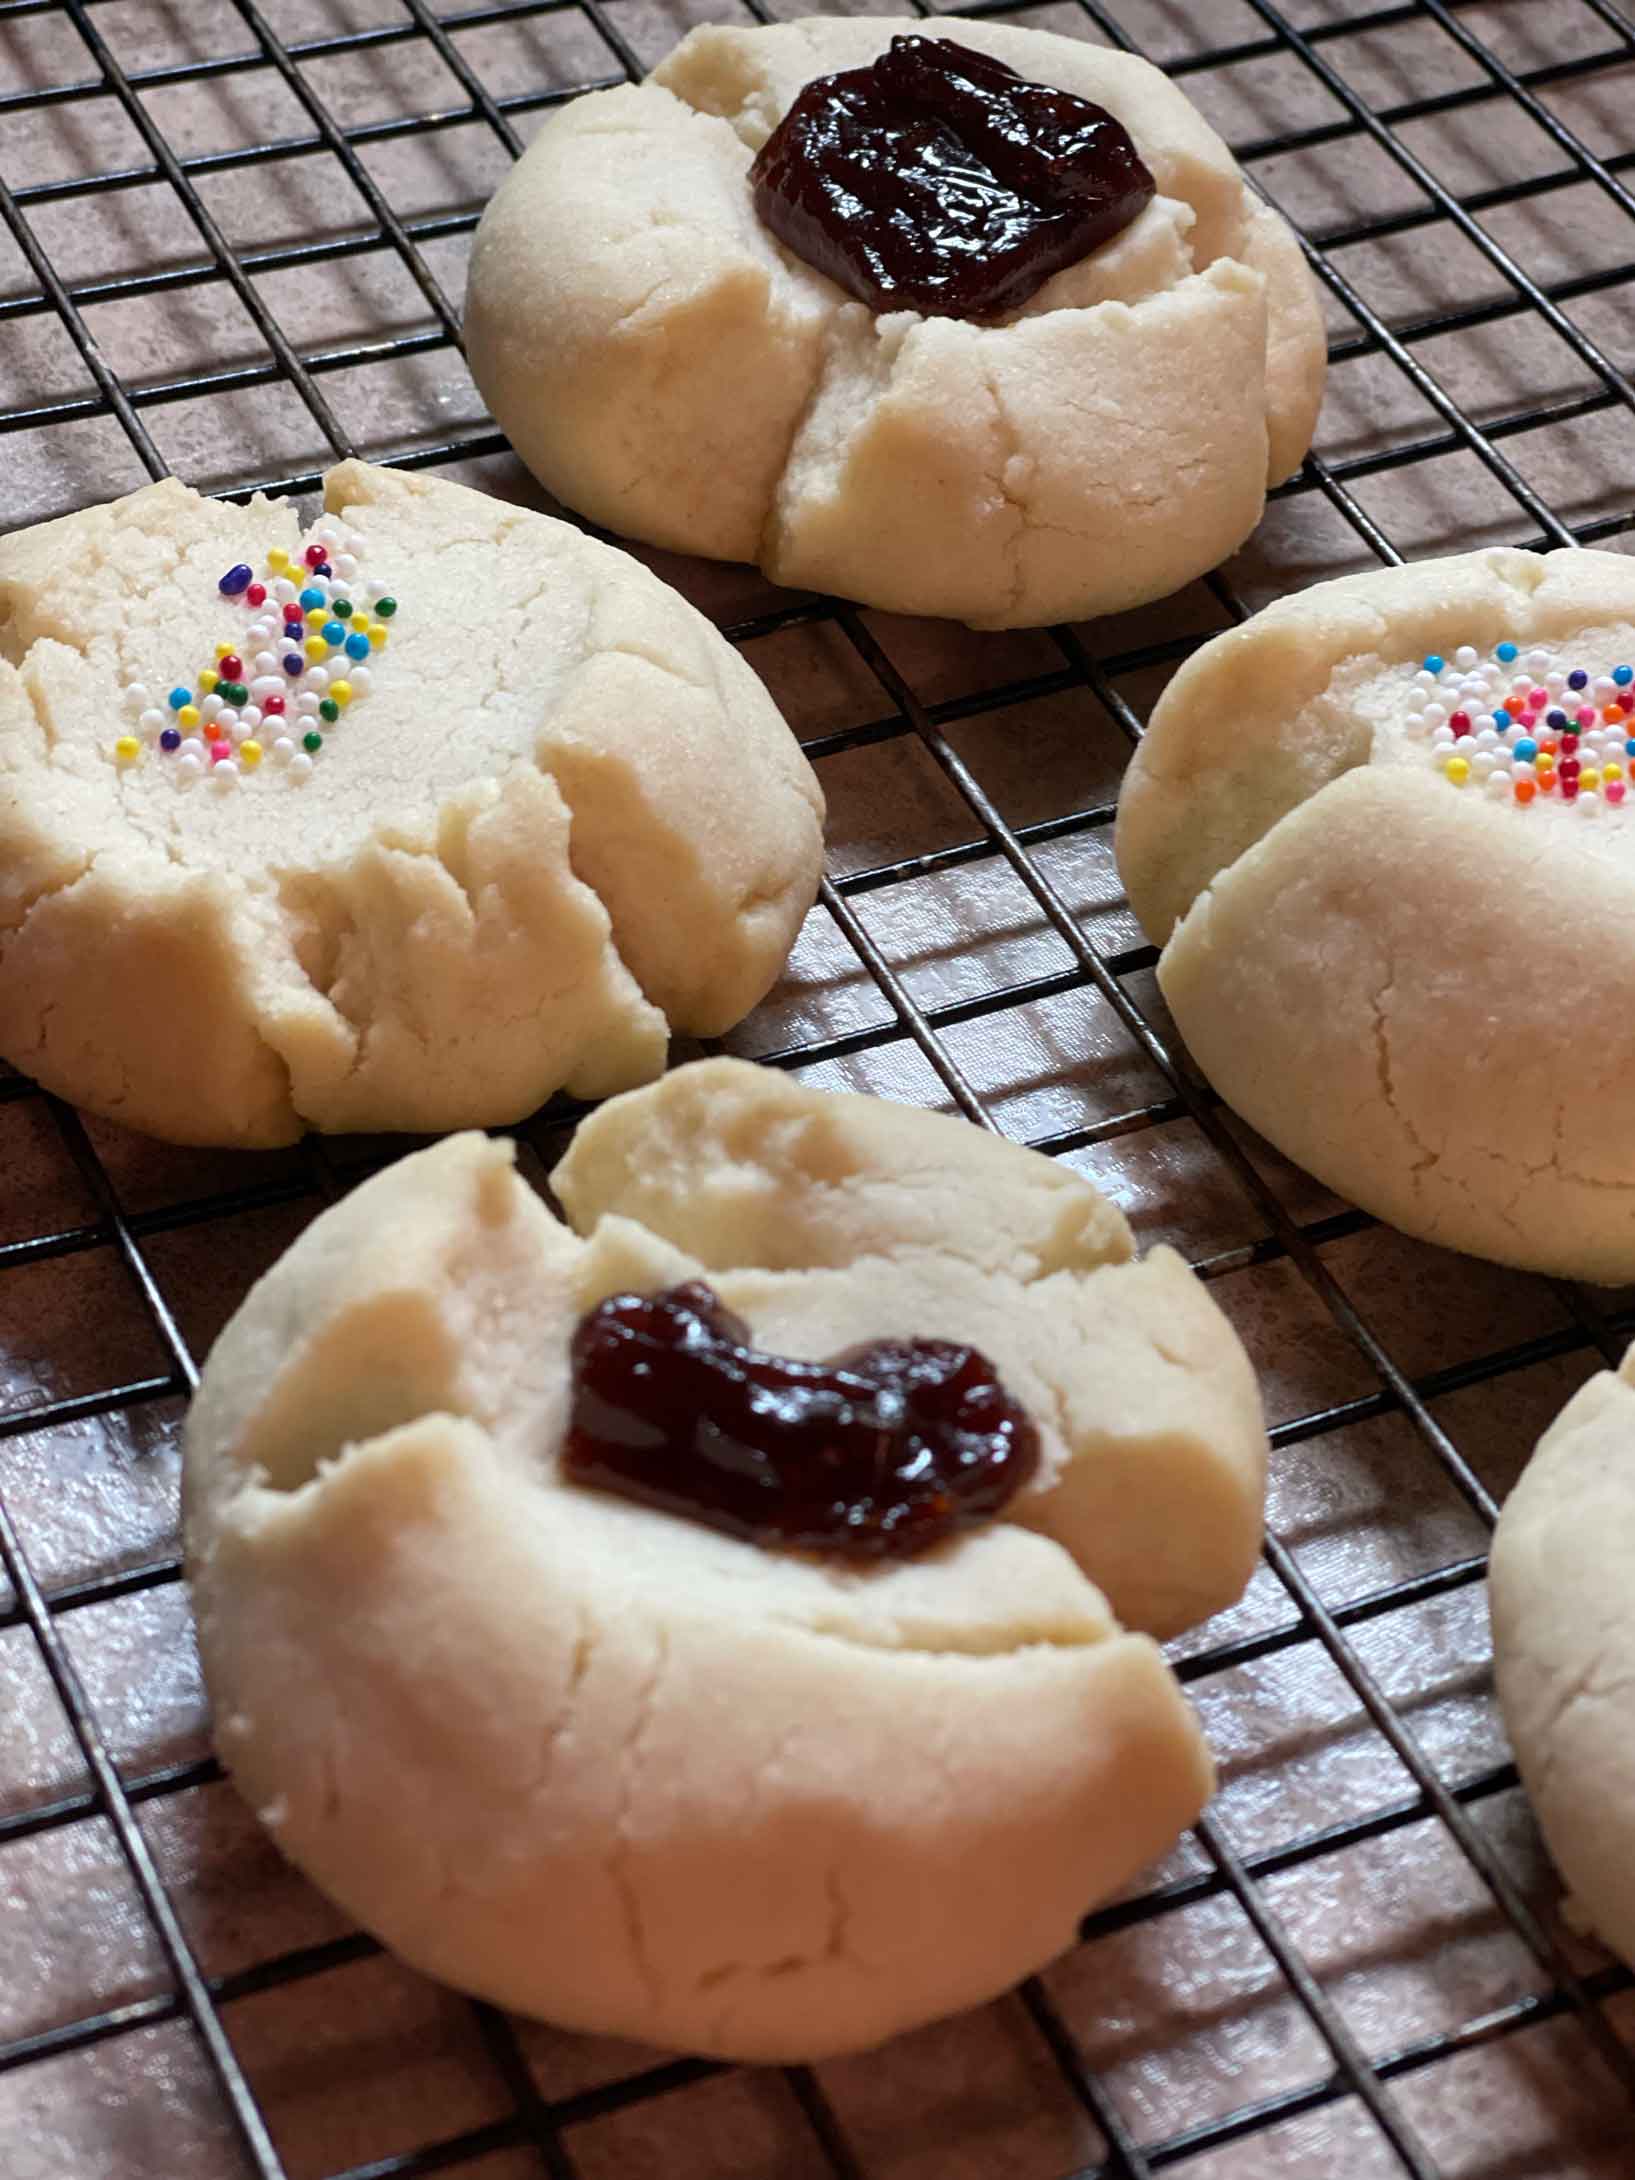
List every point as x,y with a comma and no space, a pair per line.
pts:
405,821
1385,836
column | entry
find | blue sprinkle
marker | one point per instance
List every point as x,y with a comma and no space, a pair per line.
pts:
1506,651
333,633
235,580
293,662
1433,665
1577,679
311,598
1623,675
179,697
1629,747
1527,747
171,738
357,647
1502,719
1558,720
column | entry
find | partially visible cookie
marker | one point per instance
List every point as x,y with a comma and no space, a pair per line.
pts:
667,366
604,1763
1383,834
1563,1605
472,810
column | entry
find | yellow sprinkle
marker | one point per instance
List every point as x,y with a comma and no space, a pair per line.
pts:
1458,770
316,649
341,691
188,716
278,560
127,749
249,753
1612,771
1589,777
316,616
378,633
223,650
208,679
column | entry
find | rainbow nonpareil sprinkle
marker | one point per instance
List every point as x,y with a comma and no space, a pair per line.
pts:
271,697
1528,727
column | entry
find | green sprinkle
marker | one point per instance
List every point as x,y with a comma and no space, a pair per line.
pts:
385,607
341,608
329,710
313,741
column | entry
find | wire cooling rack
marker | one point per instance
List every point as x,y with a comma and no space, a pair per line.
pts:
1475,250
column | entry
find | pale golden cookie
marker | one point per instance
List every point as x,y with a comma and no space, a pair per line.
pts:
667,367
613,1767
1395,903
423,865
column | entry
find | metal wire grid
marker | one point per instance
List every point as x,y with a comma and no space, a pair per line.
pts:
535,2121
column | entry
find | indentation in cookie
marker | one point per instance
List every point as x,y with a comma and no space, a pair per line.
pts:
939,179
286,681
1534,729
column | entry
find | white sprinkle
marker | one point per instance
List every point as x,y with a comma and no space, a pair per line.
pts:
267,682
1442,738
1415,723
1538,662
307,705
1523,768
1436,713
227,719
359,678
209,708
136,695
315,679
225,774
1589,802
266,662
1498,782
187,765
1487,739
1465,657
1424,679
300,766
283,749
1605,688
192,747
1482,764
152,721
346,565
285,591
248,720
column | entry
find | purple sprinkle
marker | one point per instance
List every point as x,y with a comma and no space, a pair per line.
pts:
170,739
293,662
236,580
323,568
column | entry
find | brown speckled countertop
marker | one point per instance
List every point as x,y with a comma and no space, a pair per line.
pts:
1175,2028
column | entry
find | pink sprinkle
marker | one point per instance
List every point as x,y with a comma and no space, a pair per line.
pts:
1613,790
1537,699
1585,718
220,750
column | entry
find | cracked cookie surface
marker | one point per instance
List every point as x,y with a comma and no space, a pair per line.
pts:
1406,979
1564,1645
616,1768
664,365
567,822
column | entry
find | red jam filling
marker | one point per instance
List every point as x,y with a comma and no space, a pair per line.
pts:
884,1450
941,181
